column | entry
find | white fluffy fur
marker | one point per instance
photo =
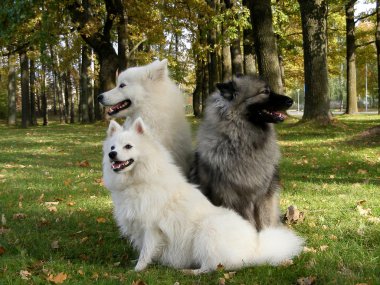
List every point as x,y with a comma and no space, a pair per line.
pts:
170,221
156,99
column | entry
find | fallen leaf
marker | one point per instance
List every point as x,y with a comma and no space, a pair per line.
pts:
54,244
229,275
287,263
67,182
25,275
333,237
19,216
309,249
3,220
58,279
323,247
138,282
306,280
362,171
2,250
84,163
70,203
41,198
51,204
374,220
293,215
220,267
222,281
362,211
52,209
101,220
80,272
4,230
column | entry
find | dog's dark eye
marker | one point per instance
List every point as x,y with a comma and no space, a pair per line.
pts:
128,146
122,85
112,147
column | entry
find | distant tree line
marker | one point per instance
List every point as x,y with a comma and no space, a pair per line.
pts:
57,57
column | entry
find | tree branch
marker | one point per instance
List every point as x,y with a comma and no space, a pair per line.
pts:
365,17
365,44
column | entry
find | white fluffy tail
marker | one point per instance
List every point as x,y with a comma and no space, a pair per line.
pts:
277,245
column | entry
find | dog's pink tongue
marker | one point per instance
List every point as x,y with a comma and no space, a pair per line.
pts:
281,115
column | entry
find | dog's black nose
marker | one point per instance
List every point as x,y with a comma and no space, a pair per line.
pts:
289,102
100,98
112,154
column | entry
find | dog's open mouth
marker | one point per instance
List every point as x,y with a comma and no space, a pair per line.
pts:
120,165
119,106
275,115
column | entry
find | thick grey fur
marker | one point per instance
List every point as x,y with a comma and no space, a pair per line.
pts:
236,163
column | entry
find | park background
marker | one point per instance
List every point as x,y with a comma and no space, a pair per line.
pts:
57,56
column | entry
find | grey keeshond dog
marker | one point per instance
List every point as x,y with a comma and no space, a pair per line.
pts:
237,154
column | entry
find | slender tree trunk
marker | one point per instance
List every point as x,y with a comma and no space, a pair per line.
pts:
97,107
12,90
265,43
352,98
32,78
197,94
25,110
213,70
44,109
378,52
314,18
249,53
85,92
122,34
236,56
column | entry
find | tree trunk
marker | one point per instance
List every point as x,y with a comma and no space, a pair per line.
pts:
352,98
32,78
99,41
314,18
213,70
265,43
84,89
236,56
197,94
249,53
44,110
12,90
378,53
25,108
122,34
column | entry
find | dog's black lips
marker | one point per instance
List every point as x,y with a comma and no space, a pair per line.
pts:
119,106
120,165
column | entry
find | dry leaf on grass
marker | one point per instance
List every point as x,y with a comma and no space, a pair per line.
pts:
2,250
83,163
309,249
25,275
222,281
19,216
229,275
306,280
3,220
293,215
54,244
4,230
58,279
138,282
101,220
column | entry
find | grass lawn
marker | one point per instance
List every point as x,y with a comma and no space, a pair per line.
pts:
57,225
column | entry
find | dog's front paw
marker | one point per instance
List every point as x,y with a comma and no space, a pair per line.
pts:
140,266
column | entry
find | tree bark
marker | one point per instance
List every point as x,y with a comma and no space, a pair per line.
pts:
122,34
197,94
265,43
32,78
249,53
314,18
99,41
378,52
11,90
352,98
84,85
25,108
213,70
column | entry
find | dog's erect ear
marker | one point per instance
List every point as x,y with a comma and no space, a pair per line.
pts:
158,70
139,126
113,128
117,73
227,90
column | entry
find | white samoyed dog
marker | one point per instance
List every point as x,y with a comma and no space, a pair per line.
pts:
168,220
149,93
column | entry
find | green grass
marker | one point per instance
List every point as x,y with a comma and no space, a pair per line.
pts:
325,172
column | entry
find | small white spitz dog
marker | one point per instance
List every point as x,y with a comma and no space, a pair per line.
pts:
170,221
149,93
